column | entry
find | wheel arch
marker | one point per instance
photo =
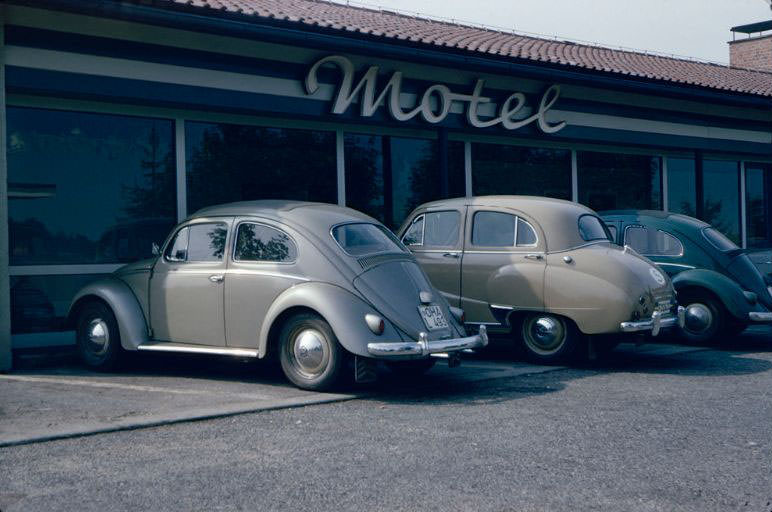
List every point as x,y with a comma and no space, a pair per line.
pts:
717,286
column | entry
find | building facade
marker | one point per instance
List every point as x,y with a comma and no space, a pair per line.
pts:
121,118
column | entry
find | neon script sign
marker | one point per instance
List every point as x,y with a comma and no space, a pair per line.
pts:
510,111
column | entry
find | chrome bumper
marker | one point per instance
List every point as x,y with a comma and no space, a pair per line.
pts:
657,322
424,347
760,316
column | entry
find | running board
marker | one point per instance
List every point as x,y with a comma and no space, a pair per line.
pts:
197,349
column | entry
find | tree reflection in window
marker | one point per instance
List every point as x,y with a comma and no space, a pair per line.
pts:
261,243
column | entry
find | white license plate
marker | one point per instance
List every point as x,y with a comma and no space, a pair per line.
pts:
433,317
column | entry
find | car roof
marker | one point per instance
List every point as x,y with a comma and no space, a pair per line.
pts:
675,218
310,214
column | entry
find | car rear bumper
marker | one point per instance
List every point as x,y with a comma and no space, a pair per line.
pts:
760,317
423,347
656,323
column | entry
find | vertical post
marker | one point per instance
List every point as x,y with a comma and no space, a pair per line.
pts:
574,177
340,155
468,168
665,190
442,149
743,208
5,284
182,190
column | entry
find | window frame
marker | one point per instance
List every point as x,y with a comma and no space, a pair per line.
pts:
603,225
235,238
188,225
422,215
386,231
657,230
423,231
497,247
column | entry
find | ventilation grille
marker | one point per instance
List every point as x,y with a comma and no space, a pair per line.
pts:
378,259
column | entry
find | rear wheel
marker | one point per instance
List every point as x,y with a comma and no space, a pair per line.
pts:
549,339
97,337
310,354
704,318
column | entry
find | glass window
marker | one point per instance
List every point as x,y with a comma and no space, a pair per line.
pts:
592,228
198,243
88,188
503,169
256,242
721,197
718,240
493,229
610,181
441,229
227,162
456,169
362,239
652,242
526,235
415,233
758,190
612,231
387,177
682,186
178,249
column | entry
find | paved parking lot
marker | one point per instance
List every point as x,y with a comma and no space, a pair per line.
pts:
655,427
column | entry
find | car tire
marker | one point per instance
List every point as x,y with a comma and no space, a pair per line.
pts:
705,318
311,356
411,368
97,337
548,339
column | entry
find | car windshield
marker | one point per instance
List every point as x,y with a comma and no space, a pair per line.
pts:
591,228
718,240
362,239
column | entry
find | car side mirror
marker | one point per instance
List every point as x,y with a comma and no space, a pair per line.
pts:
155,249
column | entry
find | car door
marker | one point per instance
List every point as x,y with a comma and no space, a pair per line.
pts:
186,288
435,238
263,263
503,265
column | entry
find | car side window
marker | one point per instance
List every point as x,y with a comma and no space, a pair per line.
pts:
526,235
494,229
441,229
652,242
256,242
415,233
198,243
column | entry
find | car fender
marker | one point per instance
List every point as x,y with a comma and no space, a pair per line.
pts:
726,290
132,325
343,310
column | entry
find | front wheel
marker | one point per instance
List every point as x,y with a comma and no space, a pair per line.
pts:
549,339
97,337
310,354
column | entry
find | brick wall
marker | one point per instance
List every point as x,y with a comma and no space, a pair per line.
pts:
753,53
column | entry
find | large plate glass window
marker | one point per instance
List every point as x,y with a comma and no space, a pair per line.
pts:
88,188
758,194
609,181
652,242
256,242
721,197
505,169
682,186
228,162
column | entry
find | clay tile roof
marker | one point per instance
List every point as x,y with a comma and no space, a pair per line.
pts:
390,25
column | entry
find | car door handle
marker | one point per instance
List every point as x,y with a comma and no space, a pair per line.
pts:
451,255
217,278
533,257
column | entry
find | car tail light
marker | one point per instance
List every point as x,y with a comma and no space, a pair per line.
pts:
375,323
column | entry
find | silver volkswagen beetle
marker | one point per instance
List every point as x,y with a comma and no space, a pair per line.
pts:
310,283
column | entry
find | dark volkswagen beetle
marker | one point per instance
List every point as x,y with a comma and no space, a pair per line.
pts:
718,284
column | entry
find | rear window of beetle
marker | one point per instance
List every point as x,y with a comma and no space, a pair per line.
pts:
362,239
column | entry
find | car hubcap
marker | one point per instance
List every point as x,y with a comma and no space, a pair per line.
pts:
699,318
545,335
98,336
310,352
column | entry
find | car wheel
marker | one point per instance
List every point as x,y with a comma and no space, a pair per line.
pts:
411,368
549,339
97,337
704,318
310,354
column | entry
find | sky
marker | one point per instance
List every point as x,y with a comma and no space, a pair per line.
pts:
689,28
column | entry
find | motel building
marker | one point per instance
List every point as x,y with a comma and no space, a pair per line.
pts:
120,118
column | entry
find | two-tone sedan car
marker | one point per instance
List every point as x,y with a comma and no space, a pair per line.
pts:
310,283
543,269
718,283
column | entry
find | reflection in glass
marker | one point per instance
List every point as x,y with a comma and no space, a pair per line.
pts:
758,189
442,229
721,197
609,181
493,229
87,188
652,242
41,303
206,242
261,243
227,162
682,186
502,169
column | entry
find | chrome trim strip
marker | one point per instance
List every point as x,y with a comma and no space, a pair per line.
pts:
760,316
503,251
195,349
674,264
250,272
499,306
423,347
